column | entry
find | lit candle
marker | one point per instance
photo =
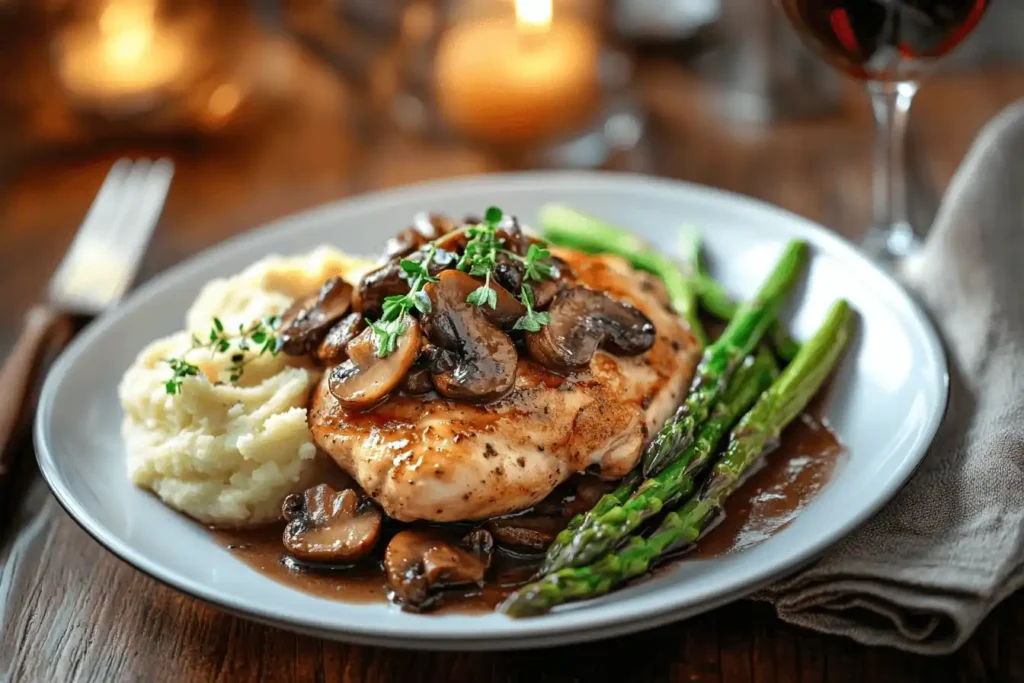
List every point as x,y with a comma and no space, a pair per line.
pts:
515,81
123,60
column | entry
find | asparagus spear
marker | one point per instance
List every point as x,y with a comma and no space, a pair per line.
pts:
691,252
607,502
716,300
759,429
785,346
745,330
570,228
778,406
604,529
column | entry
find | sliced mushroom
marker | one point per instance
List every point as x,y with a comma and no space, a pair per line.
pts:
436,360
544,292
480,543
332,349
403,243
509,273
425,228
307,321
390,280
458,286
298,309
527,534
512,235
325,525
479,360
376,285
432,225
534,530
417,381
575,496
364,379
587,490
452,243
583,320
418,563
562,270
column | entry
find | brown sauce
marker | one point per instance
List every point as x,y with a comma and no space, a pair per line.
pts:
261,549
788,480
364,583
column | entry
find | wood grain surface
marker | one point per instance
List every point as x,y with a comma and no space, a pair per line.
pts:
70,611
44,328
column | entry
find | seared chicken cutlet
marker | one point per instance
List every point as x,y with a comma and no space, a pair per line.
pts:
435,458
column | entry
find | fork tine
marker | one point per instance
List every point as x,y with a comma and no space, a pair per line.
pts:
105,254
103,206
136,225
121,221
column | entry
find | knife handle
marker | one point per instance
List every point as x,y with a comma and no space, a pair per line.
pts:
44,327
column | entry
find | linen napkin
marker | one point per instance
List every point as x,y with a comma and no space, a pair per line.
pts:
924,572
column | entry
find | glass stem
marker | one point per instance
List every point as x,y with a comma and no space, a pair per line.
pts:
891,101
893,235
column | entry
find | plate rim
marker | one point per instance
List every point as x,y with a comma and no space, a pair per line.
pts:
558,628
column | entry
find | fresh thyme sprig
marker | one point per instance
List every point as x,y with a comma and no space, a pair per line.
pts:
181,369
484,295
533,320
481,257
391,324
535,264
260,335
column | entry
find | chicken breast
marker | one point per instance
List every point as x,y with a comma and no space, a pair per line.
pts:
431,458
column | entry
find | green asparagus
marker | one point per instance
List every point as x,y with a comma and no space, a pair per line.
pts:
604,529
778,406
760,428
567,227
716,300
718,303
691,252
746,329
607,502
713,297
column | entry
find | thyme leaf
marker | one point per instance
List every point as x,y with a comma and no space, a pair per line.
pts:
261,334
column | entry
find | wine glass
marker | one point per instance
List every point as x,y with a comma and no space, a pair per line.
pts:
888,45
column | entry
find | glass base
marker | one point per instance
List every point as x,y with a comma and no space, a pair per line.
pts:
891,244
617,128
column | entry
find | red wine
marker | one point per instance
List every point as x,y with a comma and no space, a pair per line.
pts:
886,40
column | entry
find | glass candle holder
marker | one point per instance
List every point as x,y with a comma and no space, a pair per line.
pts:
532,79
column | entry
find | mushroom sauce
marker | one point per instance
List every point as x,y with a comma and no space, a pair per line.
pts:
789,479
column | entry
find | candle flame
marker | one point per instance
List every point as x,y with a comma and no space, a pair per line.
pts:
128,50
533,15
127,28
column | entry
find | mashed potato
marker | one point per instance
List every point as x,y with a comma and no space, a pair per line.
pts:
227,454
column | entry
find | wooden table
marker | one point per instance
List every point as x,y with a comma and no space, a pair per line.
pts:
70,611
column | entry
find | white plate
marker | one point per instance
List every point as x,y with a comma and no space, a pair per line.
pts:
886,404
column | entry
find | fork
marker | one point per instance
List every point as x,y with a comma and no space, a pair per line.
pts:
98,268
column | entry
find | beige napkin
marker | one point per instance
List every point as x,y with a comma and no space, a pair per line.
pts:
925,571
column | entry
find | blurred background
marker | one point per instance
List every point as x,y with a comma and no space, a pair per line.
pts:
269,107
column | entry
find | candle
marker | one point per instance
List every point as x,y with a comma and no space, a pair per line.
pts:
508,82
122,61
